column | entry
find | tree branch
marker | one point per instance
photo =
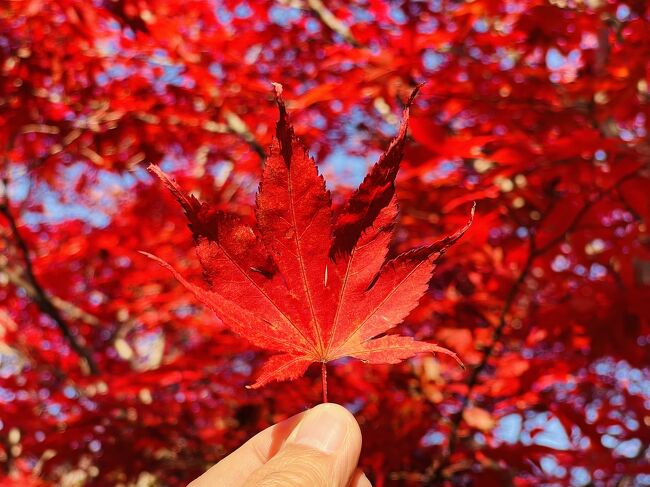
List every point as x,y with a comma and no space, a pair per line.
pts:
71,310
325,15
8,463
238,126
533,253
42,299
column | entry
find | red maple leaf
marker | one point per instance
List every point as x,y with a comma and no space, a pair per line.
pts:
300,283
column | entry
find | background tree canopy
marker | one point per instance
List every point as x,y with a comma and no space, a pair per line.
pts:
111,374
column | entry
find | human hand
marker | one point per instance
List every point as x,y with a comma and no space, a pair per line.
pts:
317,448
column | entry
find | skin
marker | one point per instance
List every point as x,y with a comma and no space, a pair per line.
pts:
317,448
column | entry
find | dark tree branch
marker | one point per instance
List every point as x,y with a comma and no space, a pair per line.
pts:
40,296
533,253
8,463
237,126
70,310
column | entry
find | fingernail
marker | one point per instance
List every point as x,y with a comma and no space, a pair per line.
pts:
322,429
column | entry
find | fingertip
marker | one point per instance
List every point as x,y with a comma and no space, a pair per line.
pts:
337,413
360,480
323,449
328,427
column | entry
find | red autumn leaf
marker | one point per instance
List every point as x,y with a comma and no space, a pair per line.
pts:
300,283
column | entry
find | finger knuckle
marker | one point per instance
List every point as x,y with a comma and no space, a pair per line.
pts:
300,468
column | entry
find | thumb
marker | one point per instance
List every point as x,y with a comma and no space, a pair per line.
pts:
322,451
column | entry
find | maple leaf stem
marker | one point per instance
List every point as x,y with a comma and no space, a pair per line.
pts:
323,376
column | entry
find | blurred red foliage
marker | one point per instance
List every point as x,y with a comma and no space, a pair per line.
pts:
537,110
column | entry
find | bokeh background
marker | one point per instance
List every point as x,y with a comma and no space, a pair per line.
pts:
537,110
